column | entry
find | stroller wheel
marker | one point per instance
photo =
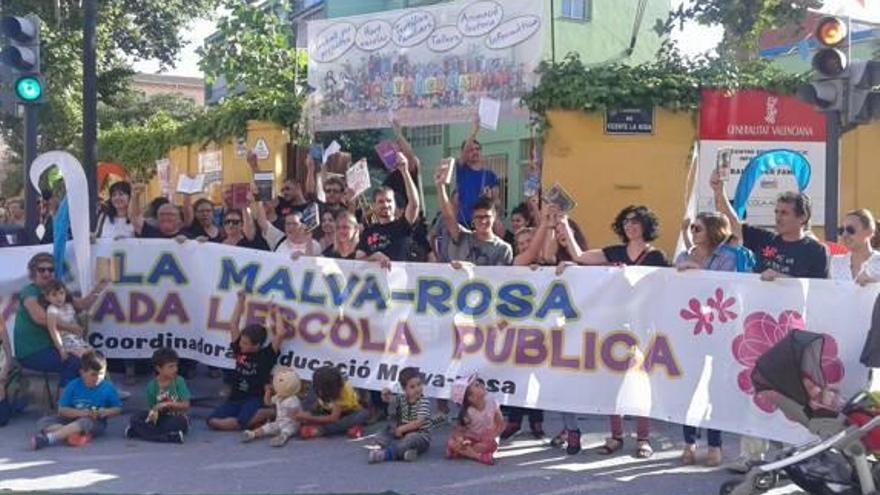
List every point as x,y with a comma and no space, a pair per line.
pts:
766,481
728,486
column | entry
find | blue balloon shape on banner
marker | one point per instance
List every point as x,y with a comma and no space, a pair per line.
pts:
767,162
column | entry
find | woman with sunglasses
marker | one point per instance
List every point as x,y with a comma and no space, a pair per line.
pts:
33,345
238,229
636,226
713,248
862,263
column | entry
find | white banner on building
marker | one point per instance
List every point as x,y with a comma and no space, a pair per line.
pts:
640,341
425,65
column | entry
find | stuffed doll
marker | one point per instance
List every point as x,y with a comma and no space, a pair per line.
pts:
286,385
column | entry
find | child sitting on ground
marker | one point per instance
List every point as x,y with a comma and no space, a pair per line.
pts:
59,309
84,406
336,410
479,422
168,399
409,421
286,384
253,370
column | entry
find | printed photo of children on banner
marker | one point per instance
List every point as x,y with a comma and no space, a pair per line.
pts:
425,66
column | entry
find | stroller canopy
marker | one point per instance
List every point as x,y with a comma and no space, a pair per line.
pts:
782,369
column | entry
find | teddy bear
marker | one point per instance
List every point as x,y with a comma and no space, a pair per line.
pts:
286,384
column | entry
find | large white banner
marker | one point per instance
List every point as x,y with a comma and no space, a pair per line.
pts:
425,65
641,341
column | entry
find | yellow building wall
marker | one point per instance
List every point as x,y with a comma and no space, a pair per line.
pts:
185,159
606,173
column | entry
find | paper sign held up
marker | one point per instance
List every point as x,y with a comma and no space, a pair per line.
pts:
490,112
358,177
191,185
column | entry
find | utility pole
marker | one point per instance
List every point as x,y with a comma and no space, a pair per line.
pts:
832,173
90,104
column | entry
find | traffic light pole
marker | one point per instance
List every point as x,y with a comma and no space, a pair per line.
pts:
90,105
32,214
833,133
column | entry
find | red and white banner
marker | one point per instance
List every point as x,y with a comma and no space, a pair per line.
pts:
753,122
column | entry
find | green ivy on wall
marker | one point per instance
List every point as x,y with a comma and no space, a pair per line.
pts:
672,82
138,147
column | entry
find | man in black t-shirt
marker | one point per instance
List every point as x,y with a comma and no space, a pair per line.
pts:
389,236
788,252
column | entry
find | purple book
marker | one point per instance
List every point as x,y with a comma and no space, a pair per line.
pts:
387,151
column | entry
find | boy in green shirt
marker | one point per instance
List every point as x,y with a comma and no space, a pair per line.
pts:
168,399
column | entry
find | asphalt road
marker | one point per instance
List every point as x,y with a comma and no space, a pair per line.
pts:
216,463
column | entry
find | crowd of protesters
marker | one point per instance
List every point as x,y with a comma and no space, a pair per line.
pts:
390,227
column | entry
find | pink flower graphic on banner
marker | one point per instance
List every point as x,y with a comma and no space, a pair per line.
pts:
703,316
720,305
761,332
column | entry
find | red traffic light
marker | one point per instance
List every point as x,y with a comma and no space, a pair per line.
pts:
831,31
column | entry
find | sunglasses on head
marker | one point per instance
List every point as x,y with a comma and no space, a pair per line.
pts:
847,230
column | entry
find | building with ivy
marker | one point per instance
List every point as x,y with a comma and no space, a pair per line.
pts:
599,31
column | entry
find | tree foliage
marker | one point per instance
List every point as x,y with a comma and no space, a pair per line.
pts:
254,53
127,30
255,48
672,82
743,20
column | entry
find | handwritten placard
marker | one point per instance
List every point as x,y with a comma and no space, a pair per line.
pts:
513,32
413,28
445,39
480,18
373,35
333,42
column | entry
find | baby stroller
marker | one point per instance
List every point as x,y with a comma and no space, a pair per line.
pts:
837,462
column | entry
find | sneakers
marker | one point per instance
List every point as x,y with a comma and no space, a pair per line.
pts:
537,430
376,456
511,430
355,432
248,436
574,442
39,441
306,432
176,437
410,455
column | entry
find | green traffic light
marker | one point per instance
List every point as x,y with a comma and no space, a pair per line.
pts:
29,88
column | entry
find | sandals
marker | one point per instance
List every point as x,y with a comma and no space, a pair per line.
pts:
644,449
611,446
689,455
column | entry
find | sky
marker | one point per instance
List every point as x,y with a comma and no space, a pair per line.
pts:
699,39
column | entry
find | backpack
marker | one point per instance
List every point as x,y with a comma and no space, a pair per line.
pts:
745,259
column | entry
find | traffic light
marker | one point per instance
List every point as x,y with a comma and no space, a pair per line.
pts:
863,94
22,56
827,90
